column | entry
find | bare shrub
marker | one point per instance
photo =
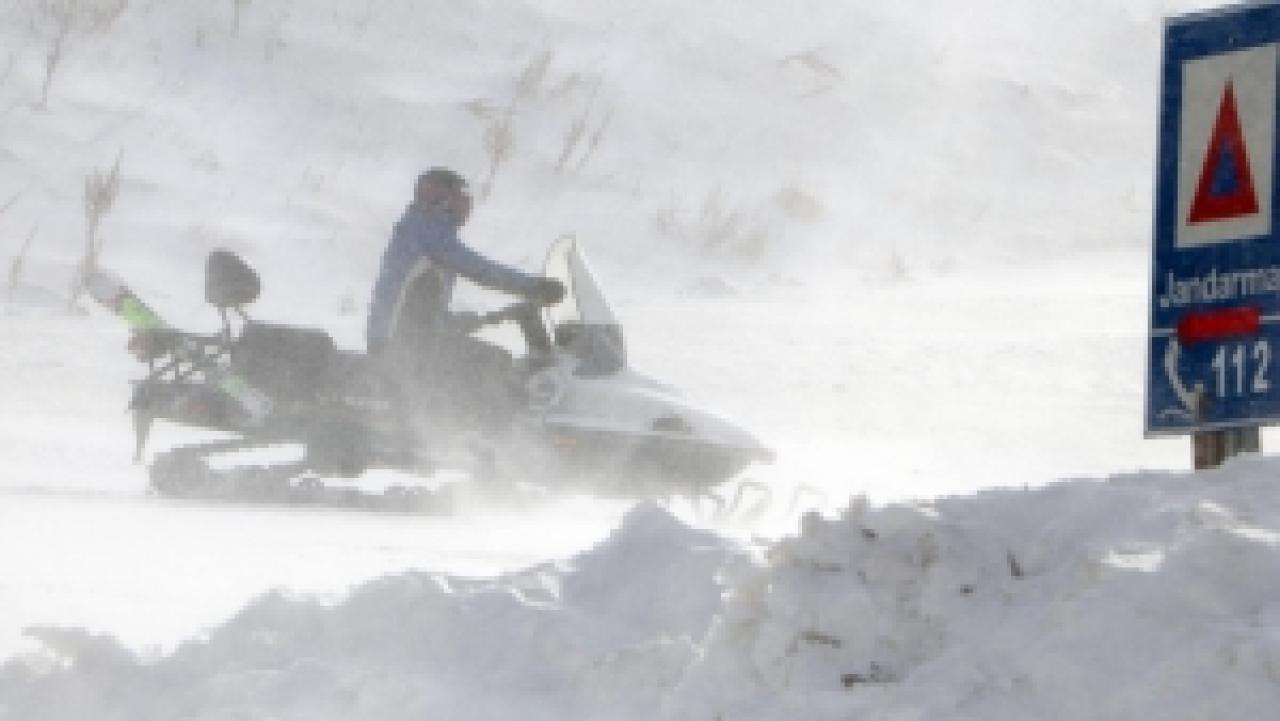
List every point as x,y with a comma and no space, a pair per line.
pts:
499,135
798,203
8,67
566,87
721,227
103,15
372,10
63,17
824,75
481,108
9,203
715,227
498,144
898,269
100,191
578,141
814,62
530,79
62,13
237,7
593,142
576,128
15,268
273,44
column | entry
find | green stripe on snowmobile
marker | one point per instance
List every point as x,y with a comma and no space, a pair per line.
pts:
254,401
139,316
109,291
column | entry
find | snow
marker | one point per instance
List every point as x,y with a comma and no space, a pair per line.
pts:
1138,595
573,638
904,243
1085,599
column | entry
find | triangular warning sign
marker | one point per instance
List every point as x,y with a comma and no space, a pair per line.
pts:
1225,190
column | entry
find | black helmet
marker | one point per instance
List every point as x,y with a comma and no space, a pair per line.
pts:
436,179
443,189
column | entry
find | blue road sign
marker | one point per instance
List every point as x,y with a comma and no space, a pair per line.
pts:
1214,345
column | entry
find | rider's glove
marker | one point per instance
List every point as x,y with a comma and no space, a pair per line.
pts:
547,291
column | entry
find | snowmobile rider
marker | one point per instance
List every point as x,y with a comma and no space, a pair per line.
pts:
409,322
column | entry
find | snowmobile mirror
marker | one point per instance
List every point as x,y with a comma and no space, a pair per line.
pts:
229,282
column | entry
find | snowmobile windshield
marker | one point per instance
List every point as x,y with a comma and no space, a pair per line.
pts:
583,323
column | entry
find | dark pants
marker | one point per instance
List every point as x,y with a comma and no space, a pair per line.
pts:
455,382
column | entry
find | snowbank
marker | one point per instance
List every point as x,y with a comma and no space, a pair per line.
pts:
1143,596
606,633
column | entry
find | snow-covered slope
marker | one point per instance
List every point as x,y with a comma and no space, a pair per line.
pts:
883,134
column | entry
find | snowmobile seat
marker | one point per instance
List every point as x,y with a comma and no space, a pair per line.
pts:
285,362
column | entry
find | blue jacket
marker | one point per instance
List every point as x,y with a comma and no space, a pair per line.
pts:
425,247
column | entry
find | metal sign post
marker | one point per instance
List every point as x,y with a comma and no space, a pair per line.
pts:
1215,295
1211,449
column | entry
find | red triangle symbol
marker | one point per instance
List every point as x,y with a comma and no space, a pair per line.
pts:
1225,190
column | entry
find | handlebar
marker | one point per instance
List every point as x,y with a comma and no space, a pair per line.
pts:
469,322
525,313
513,312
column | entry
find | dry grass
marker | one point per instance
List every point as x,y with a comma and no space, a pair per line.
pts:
15,268
103,15
237,9
100,191
9,203
63,17
535,90
530,80
499,141
62,13
739,227
8,67
582,140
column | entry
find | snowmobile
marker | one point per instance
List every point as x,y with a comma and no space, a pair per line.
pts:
582,418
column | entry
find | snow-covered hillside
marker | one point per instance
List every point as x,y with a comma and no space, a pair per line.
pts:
905,243
883,135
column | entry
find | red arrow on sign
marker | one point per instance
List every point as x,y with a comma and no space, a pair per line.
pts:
1225,190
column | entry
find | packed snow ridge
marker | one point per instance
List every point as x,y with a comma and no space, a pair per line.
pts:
1142,596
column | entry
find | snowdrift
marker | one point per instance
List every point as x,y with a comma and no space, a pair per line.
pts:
1143,596
606,633
1147,595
